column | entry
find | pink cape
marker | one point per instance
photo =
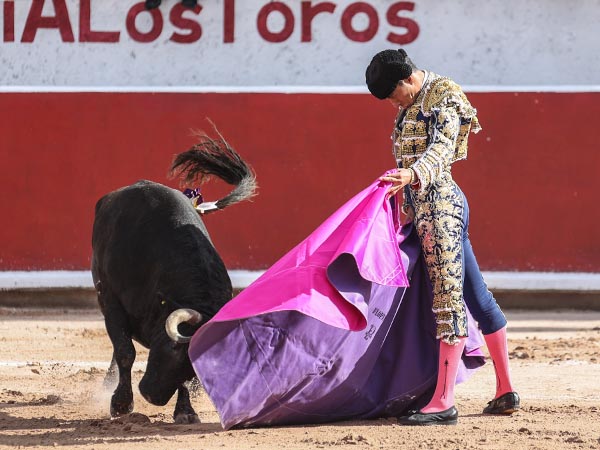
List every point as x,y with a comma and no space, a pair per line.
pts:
331,331
365,228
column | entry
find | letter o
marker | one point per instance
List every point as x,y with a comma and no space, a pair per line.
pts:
157,23
352,10
263,15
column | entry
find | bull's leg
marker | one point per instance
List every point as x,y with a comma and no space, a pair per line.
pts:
184,413
123,354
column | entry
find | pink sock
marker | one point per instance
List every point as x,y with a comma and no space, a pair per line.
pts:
443,397
498,348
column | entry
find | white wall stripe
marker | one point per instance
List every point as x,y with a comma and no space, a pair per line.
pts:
525,281
278,89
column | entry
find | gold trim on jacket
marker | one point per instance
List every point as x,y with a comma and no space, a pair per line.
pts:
438,93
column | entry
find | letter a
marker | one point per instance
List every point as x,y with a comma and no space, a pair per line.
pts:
35,20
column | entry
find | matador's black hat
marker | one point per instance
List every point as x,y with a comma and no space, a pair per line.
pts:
386,69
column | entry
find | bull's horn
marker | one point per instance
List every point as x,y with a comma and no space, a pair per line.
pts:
180,316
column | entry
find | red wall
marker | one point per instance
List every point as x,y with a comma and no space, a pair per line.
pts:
532,176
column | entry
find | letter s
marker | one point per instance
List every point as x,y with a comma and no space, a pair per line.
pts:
395,19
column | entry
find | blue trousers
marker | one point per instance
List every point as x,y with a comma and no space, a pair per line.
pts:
480,301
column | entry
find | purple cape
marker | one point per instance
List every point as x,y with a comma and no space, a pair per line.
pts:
331,331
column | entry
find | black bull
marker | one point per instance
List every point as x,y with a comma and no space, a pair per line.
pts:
152,256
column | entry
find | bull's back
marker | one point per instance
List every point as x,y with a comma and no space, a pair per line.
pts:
145,238
143,206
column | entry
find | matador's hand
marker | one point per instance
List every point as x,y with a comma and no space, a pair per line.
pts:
399,179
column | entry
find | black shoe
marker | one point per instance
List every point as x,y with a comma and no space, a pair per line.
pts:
447,417
505,404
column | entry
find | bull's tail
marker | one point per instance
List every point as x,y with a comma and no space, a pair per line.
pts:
216,157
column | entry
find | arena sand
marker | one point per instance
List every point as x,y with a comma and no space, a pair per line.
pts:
52,365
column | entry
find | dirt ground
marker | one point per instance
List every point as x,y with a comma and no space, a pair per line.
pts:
52,365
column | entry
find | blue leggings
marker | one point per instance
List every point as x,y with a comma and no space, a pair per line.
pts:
480,301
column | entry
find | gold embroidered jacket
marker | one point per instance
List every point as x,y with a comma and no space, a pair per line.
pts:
433,133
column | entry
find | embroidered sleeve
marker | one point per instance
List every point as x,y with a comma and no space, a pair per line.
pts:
443,131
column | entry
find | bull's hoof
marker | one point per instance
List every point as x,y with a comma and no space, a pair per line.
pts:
118,409
184,419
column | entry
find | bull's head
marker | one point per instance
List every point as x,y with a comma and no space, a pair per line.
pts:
168,361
